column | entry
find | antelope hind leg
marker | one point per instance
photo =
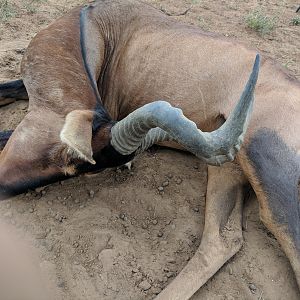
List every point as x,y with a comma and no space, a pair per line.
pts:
222,236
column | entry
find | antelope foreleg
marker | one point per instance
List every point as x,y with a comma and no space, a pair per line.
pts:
222,235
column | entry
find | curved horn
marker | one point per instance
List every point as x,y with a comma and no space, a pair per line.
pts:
135,132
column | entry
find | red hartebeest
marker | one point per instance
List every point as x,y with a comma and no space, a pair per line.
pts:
110,61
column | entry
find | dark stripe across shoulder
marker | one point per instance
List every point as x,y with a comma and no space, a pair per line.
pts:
102,115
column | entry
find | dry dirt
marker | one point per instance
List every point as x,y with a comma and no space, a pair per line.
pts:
100,237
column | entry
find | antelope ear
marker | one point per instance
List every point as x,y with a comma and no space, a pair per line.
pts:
77,134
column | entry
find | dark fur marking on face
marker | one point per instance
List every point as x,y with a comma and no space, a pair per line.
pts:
4,136
278,170
108,157
10,190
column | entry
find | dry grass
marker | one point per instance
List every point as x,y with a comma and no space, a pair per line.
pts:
260,22
296,21
7,10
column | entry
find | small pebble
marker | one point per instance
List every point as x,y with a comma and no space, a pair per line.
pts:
21,51
171,261
123,217
156,290
178,181
170,274
40,189
31,210
91,193
252,288
160,189
165,183
145,285
161,280
154,222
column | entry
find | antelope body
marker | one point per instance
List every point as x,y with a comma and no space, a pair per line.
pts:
106,61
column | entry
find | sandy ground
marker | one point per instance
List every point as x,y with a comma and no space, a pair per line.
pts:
108,236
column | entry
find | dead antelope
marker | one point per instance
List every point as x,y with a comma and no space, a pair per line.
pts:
93,78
